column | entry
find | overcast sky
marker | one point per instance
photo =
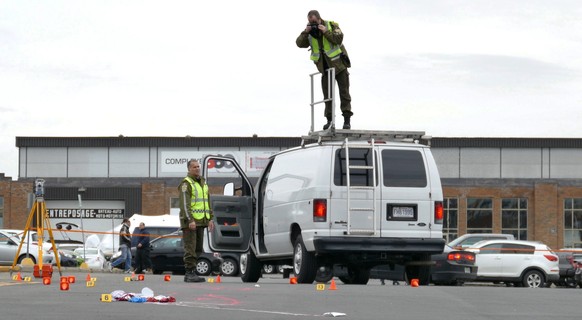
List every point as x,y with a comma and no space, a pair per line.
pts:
451,68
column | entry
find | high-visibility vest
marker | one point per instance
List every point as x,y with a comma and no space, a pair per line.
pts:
199,200
332,51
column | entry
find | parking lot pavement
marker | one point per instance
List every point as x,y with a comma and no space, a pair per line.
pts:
274,298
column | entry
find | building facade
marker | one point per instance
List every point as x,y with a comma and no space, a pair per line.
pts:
530,187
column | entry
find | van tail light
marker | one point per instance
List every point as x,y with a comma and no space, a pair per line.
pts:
439,212
551,257
319,210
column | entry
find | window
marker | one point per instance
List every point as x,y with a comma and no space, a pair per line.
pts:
479,215
450,224
573,223
494,248
1,212
513,248
358,177
175,203
403,168
514,217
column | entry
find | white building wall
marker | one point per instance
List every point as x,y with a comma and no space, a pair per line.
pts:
566,163
447,160
521,163
480,163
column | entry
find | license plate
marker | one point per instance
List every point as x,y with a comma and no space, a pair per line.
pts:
467,270
403,212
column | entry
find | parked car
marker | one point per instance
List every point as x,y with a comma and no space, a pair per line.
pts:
33,237
9,247
467,240
521,263
567,267
93,257
452,267
167,254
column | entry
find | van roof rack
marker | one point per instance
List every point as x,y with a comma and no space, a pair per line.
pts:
342,134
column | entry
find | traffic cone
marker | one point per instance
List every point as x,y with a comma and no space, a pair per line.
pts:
293,280
88,277
332,285
414,283
18,276
218,279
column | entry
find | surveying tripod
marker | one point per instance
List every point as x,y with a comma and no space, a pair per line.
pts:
39,214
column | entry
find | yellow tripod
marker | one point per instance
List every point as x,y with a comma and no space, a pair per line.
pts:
39,214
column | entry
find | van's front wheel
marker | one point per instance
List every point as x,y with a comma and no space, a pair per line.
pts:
250,267
304,264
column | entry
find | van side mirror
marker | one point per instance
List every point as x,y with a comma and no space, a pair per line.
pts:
228,189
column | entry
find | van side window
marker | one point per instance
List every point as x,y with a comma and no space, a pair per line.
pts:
358,177
403,168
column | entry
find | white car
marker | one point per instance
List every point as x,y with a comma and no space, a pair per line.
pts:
93,257
33,237
9,246
522,263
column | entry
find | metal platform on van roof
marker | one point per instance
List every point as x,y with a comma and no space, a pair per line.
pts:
341,134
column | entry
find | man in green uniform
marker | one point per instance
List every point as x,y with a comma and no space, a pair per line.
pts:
327,51
195,215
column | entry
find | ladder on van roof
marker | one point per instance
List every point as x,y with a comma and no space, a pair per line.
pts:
333,134
356,212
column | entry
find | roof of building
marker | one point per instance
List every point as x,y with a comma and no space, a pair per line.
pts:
284,142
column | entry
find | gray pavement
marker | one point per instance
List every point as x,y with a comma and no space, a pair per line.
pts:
274,298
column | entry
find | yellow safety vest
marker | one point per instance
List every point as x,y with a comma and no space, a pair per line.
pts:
333,52
199,200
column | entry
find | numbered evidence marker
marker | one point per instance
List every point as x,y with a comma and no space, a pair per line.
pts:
105,297
320,286
127,279
27,279
90,284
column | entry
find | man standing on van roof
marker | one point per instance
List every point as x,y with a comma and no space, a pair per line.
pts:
195,215
326,36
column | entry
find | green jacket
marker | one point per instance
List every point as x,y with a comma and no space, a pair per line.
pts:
334,36
185,191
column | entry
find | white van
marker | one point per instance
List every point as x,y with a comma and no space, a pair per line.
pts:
351,201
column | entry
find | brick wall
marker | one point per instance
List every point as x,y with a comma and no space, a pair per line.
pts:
16,209
154,199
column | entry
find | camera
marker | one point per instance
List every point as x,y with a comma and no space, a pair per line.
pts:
314,29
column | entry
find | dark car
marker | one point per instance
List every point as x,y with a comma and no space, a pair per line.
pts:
452,267
167,254
567,268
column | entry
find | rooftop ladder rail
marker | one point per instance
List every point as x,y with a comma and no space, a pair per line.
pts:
355,210
330,98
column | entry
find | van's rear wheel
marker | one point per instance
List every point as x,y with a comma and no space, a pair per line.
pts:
250,267
356,276
304,264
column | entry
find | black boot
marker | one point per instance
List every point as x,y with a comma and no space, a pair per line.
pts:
326,126
191,276
347,122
